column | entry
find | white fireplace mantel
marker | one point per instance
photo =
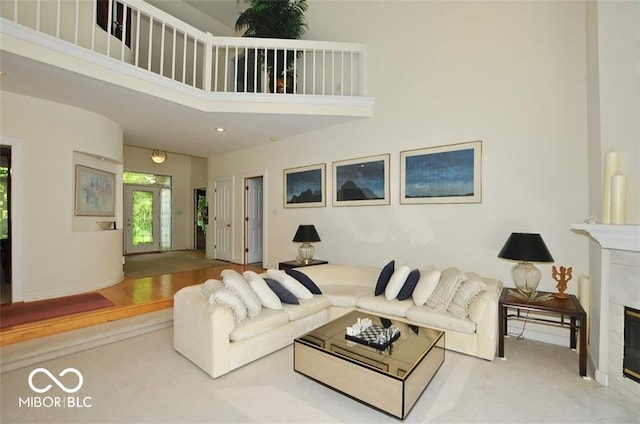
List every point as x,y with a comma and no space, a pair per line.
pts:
619,237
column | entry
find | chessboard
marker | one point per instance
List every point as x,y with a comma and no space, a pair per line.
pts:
369,337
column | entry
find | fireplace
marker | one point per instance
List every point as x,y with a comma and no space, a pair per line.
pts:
631,359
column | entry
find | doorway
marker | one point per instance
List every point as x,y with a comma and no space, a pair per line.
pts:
201,219
5,224
253,220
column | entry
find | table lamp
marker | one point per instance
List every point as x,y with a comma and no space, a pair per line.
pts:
526,248
306,234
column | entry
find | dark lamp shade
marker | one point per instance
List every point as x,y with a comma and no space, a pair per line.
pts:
306,234
525,247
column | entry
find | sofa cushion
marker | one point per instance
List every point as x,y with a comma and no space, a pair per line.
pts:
224,296
290,283
237,284
283,294
427,283
459,306
306,307
381,305
305,280
409,285
383,278
450,281
396,282
430,317
267,320
267,297
345,295
330,274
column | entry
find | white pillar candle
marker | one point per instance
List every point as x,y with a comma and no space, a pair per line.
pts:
618,199
610,169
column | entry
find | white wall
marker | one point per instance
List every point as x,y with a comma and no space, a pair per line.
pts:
511,74
63,254
613,85
188,173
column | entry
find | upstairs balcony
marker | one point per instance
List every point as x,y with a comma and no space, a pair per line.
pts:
133,45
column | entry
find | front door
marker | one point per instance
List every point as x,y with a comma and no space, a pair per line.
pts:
223,220
142,219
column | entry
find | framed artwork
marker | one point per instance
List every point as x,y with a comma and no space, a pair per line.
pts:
304,187
443,174
361,182
95,192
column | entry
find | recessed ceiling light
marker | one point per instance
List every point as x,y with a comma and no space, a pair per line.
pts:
220,129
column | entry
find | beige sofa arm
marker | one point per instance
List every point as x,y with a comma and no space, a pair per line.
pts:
201,331
484,312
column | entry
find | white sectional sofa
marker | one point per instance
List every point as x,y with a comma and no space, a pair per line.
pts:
210,335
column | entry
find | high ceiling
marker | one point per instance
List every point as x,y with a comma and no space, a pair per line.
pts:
152,122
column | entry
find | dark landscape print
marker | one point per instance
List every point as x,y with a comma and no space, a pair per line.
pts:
445,174
360,181
304,186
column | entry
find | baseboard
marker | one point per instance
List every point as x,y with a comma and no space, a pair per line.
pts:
23,354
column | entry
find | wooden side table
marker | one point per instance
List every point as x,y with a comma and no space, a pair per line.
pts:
296,264
562,312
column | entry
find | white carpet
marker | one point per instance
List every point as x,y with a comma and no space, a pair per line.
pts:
143,380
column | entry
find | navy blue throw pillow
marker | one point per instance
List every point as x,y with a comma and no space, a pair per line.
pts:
409,285
304,280
285,295
384,277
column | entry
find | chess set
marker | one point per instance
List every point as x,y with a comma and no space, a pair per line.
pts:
375,336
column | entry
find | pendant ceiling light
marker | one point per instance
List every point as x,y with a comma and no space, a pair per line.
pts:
158,156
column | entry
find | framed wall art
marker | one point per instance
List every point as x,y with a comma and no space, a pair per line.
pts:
443,174
361,182
304,187
95,192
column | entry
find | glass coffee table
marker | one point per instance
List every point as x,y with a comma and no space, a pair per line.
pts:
389,378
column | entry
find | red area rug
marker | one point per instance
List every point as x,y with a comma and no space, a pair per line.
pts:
28,312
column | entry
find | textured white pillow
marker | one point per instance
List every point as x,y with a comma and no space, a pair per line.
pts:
426,285
223,296
447,287
268,298
237,284
290,283
459,306
210,286
396,282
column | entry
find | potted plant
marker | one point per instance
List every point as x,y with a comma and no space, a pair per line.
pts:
275,19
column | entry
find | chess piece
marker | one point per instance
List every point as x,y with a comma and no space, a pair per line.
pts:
562,277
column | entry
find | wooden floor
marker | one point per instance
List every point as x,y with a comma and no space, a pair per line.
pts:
131,296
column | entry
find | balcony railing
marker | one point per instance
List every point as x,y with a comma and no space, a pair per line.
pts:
143,36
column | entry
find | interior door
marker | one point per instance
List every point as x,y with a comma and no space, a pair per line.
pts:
223,220
253,220
142,219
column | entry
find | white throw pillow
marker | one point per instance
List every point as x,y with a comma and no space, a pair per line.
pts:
426,285
447,287
268,298
237,284
290,283
396,282
210,286
459,306
223,296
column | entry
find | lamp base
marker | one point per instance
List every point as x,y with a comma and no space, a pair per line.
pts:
533,297
305,253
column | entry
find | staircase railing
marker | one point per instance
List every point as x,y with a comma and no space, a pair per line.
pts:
143,36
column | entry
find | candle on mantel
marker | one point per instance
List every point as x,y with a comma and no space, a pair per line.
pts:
618,199
610,169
